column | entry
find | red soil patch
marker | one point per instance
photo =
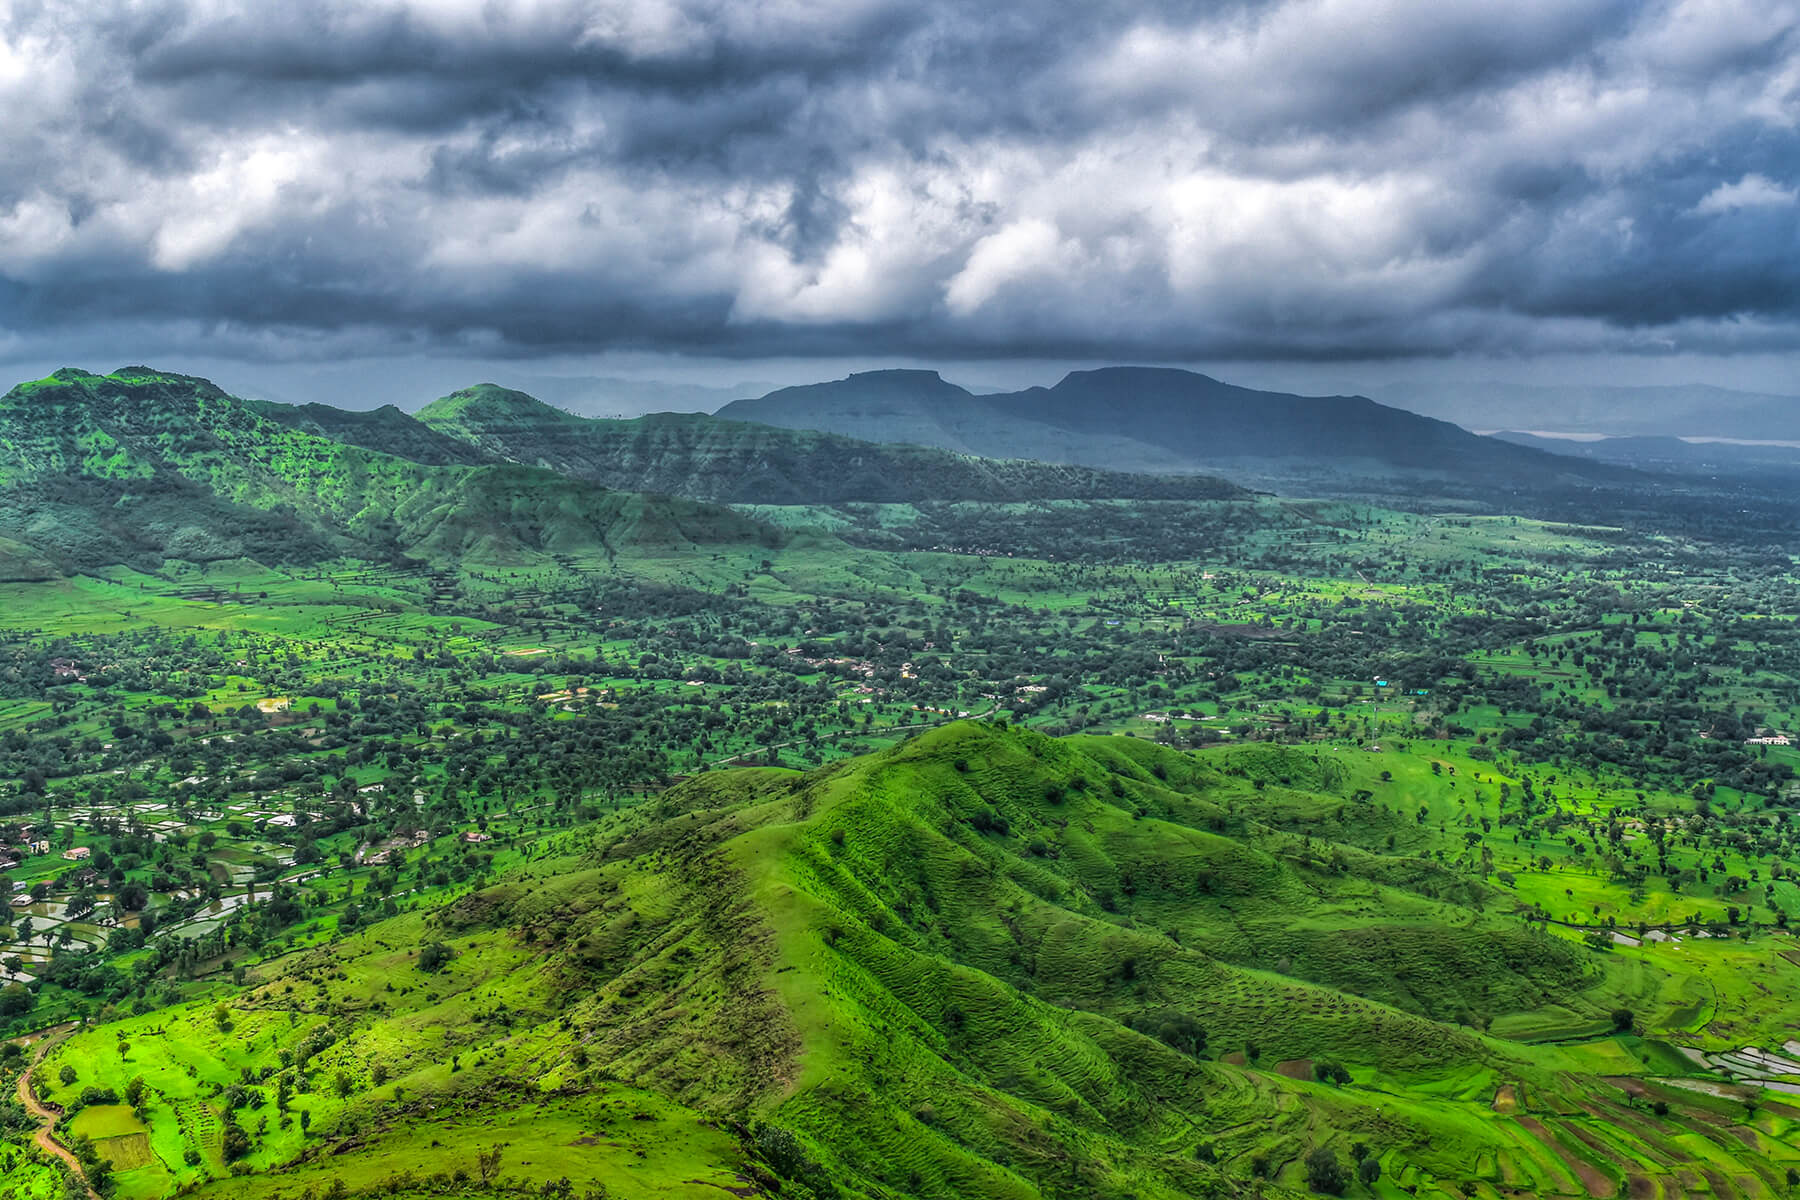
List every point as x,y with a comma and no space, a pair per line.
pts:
1506,1100
1720,1186
1597,1185
1295,1068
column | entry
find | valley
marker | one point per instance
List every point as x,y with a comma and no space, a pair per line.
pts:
454,826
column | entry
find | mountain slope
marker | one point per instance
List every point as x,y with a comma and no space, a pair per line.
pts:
981,963
740,462
386,429
141,465
1136,418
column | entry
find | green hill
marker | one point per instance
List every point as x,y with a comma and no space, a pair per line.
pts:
386,429
692,454
140,465
981,963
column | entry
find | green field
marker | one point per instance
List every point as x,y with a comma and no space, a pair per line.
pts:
479,829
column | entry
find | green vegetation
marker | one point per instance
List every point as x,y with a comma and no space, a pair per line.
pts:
691,454
410,823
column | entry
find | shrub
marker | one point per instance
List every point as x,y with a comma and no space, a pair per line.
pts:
1326,1071
235,1143
989,821
787,1157
1324,1173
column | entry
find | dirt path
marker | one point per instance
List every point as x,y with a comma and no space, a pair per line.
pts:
28,1097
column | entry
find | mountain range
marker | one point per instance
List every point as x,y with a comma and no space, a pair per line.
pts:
1681,410
142,465
1669,454
1159,419
712,458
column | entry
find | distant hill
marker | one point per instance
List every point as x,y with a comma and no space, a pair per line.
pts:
140,465
1668,453
708,458
1156,419
612,396
1684,410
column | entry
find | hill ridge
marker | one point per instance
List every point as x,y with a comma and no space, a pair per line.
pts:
1153,418
729,461
140,465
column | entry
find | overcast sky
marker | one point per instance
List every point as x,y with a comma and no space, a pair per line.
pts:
1331,188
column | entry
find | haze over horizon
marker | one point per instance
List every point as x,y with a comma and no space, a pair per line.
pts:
376,203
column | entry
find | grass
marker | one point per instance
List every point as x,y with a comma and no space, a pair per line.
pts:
960,1003
966,962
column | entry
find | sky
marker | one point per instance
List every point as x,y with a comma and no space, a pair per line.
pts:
367,197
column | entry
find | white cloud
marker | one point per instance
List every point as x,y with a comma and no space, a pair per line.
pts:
1326,176
1752,191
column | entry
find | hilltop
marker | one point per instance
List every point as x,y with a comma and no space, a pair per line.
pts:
1160,419
981,963
141,465
706,458
386,429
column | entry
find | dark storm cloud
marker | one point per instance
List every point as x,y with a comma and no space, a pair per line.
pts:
1288,179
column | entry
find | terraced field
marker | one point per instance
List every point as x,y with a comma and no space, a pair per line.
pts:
878,960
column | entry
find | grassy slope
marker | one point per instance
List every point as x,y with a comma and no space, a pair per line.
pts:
386,429
939,1007
143,465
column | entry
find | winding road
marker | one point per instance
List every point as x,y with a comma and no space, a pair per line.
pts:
45,1140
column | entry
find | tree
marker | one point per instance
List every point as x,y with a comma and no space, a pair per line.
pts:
235,1143
1369,1170
1623,1020
1326,1071
433,955
134,1091
1181,1032
1324,1173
